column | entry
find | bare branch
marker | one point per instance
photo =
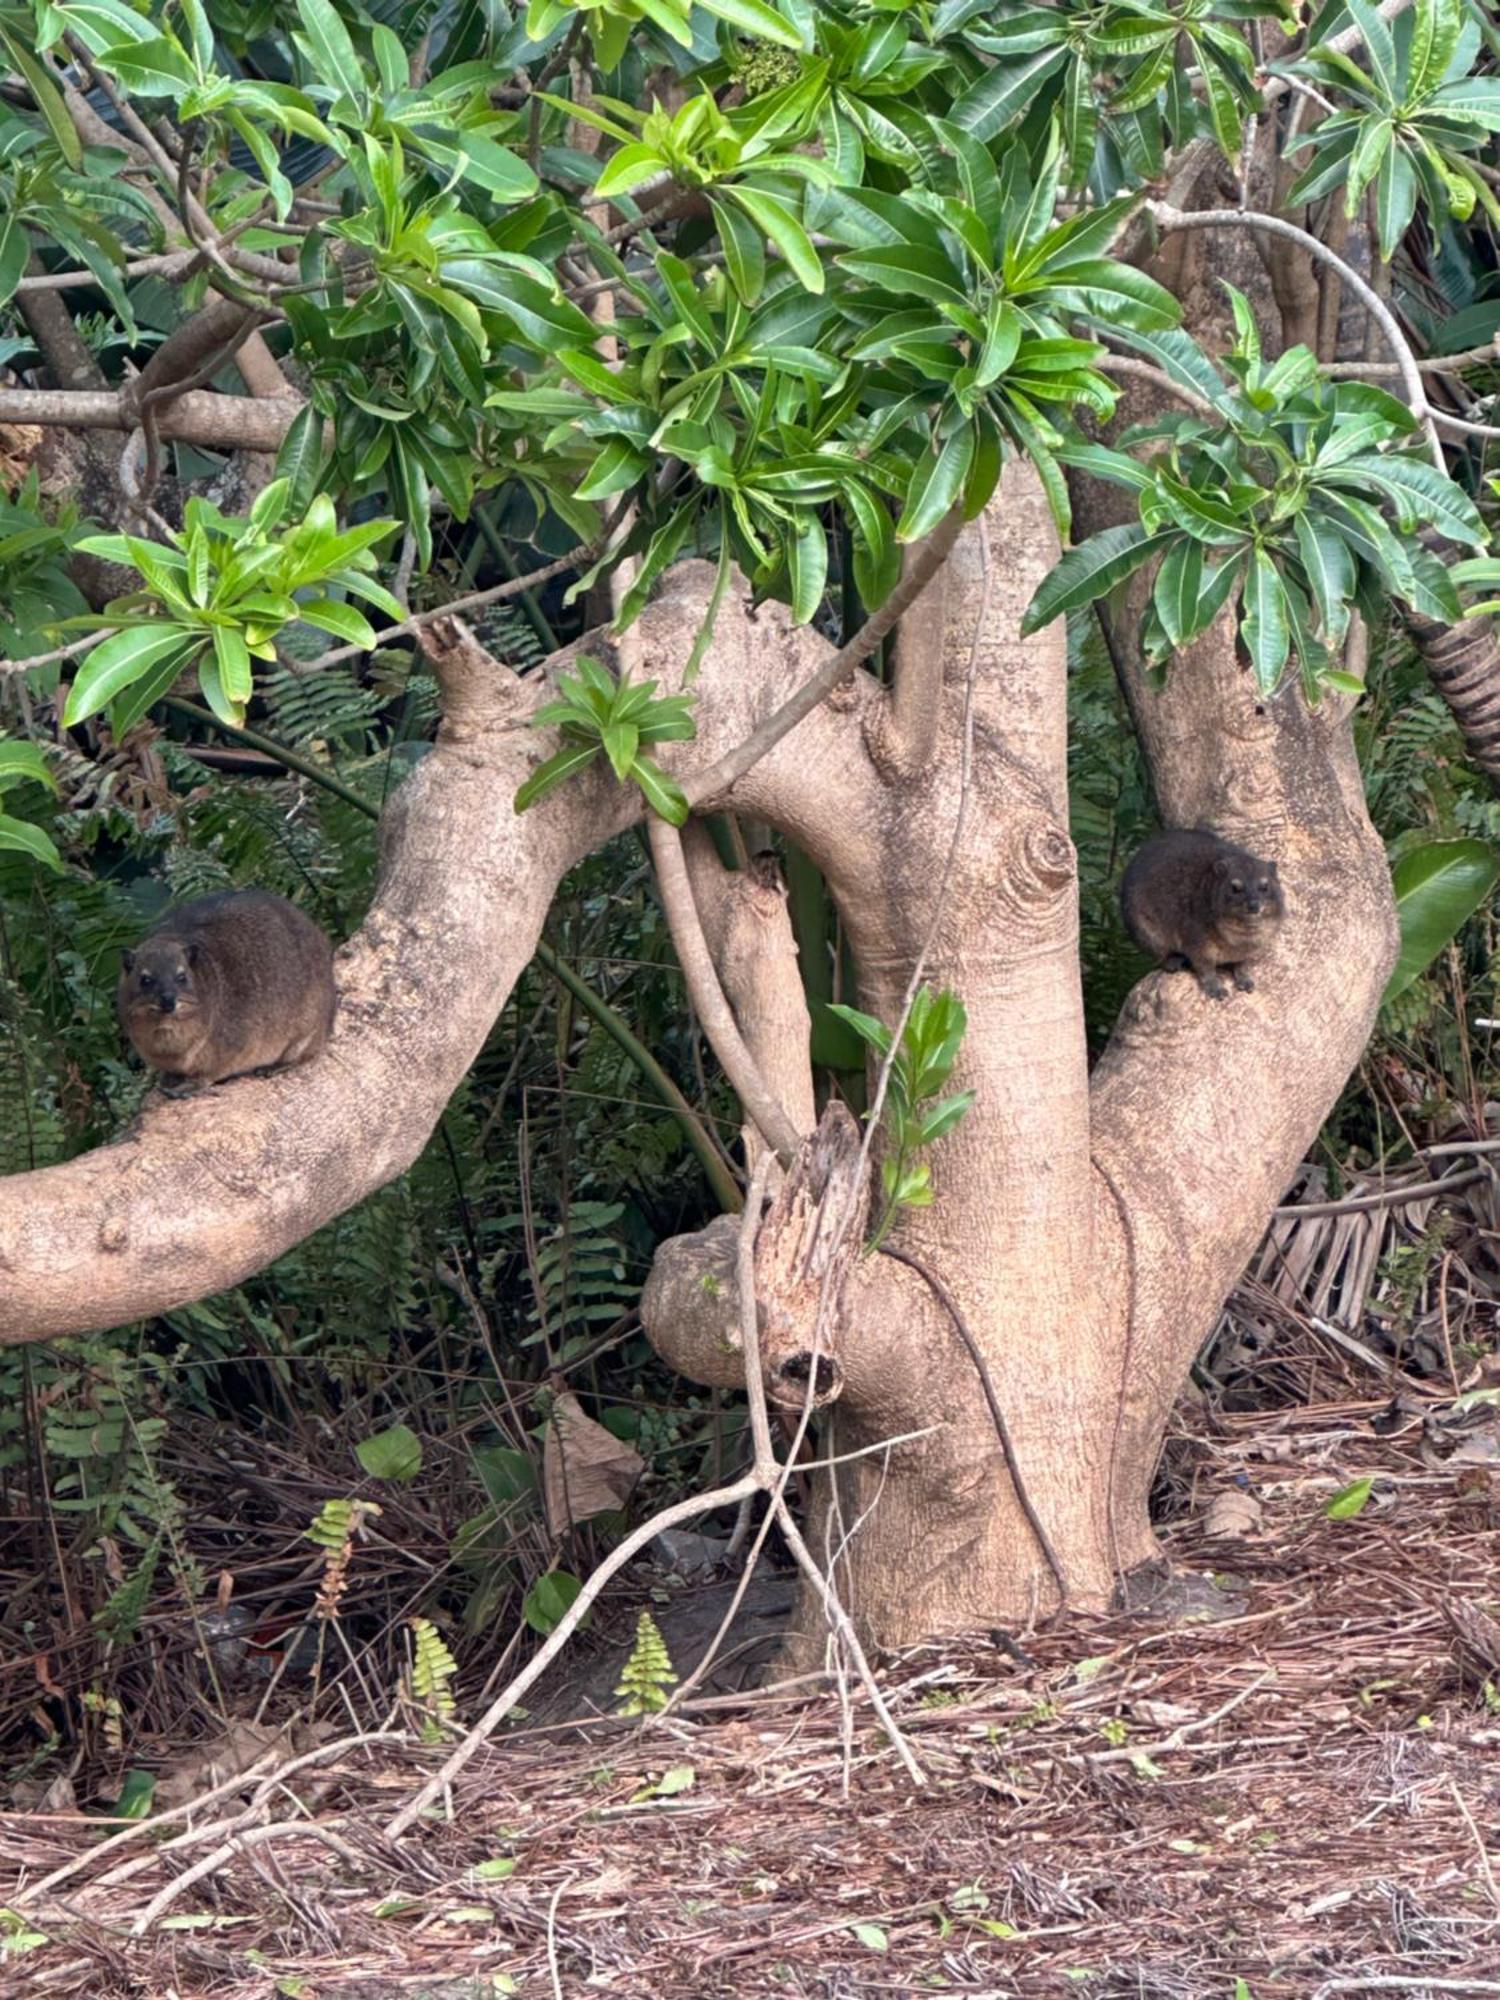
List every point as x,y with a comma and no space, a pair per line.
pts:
1243,218
702,787
230,423
707,995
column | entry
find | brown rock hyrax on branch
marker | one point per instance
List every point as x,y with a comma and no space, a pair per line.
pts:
1193,900
227,984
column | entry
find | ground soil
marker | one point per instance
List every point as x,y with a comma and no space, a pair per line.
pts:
1298,1798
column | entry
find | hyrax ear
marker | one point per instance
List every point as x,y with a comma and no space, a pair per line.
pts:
1221,865
127,961
192,954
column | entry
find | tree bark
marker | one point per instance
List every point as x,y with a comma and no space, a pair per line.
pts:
1086,1234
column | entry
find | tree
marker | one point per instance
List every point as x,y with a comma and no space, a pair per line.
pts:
735,302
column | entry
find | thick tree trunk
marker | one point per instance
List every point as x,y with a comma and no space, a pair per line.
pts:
1086,1234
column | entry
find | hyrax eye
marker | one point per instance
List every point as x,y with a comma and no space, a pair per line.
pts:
1238,888
182,978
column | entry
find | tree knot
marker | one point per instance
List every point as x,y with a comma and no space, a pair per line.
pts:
1050,859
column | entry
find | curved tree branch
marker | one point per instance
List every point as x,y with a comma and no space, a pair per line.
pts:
1170,218
212,1188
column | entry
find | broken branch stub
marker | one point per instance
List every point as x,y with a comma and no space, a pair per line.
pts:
812,1237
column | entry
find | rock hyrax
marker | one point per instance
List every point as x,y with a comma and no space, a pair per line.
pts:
1194,900
227,984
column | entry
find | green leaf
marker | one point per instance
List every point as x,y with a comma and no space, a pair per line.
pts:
391,1454
1364,162
342,620
127,708
236,675
744,254
753,17
115,663
1178,586
332,50
1005,92
621,740
502,174
869,1030
1350,1500
1430,494
18,837
561,765
1114,294
807,564
909,270
1090,571
1438,887
775,217
157,67
1395,200
1379,47
1330,570
871,1936
662,792
44,92
936,482
24,763
549,1600
1267,627
301,457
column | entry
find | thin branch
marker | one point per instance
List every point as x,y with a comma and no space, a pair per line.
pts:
669,1517
1142,371
1243,218
229,423
1430,364
475,600
928,560
168,264
1389,1198
707,995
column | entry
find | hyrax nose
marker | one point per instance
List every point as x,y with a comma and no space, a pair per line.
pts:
168,1003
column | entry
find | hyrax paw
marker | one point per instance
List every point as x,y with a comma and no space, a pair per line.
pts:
1243,980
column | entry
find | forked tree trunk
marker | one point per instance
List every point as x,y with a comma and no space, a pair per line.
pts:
1088,1229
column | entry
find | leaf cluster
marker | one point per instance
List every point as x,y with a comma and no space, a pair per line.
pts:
597,713
1297,501
924,1059
1414,118
216,596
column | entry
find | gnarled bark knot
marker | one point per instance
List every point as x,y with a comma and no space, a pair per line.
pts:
812,1236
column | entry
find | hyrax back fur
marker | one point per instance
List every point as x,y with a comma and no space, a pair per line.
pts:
1193,900
227,984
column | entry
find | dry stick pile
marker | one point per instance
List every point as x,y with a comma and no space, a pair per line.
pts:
1305,1795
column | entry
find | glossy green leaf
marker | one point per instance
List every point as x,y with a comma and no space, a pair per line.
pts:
116,662
331,49
935,486
563,764
18,836
663,794
1092,570
1266,630
1438,887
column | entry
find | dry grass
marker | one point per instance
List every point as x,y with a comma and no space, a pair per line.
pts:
1304,1796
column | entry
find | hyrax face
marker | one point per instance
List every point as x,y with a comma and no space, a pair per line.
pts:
159,992
1250,894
